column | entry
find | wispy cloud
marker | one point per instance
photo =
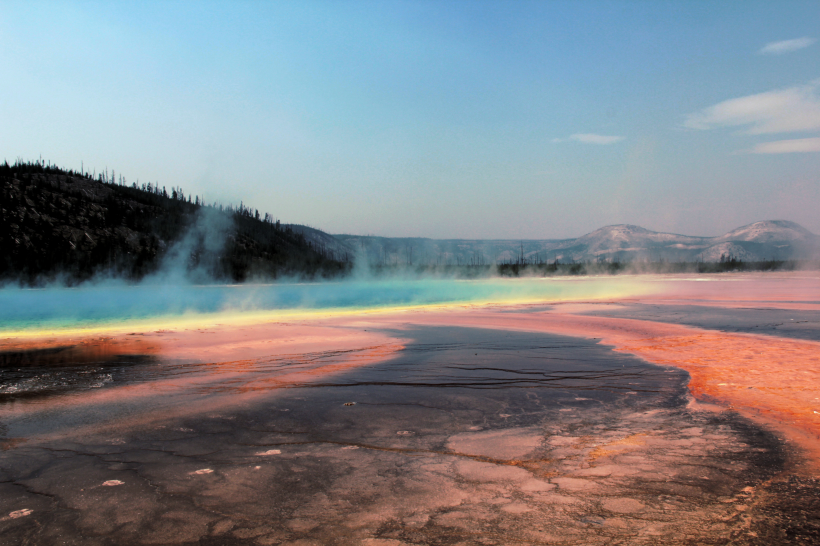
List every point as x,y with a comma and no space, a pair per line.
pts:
786,46
591,138
797,145
780,111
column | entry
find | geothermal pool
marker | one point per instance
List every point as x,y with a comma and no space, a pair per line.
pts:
673,410
109,305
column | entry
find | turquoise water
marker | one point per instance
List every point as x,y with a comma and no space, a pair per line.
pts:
85,306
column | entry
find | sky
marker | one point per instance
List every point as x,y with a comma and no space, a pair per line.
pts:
450,119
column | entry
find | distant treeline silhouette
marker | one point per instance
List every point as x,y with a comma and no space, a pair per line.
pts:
556,268
58,224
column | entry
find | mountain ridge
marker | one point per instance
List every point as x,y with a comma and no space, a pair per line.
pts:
759,241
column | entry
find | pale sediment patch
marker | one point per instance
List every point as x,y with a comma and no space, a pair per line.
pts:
508,444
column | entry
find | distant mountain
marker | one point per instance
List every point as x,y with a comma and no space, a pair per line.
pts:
770,231
767,240
761,241
627,242
57,224
771,239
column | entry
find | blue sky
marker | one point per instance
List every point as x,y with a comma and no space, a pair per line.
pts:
439,119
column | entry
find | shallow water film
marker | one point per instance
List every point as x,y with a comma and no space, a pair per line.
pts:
572,422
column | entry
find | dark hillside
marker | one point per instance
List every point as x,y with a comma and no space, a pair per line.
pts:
57,223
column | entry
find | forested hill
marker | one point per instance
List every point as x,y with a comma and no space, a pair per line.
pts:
61,225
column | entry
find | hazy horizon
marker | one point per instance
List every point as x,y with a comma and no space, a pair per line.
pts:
485,120
547,238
